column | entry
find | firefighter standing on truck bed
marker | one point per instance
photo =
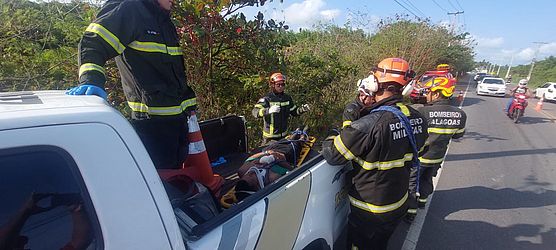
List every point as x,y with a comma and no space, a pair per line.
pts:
382,147
143,40
275,108
444,123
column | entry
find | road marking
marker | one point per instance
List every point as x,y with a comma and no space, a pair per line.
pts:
414,232
551,117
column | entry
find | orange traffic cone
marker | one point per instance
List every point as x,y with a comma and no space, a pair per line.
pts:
538,108
460,96
197,165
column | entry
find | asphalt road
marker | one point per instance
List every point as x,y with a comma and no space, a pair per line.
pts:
497,188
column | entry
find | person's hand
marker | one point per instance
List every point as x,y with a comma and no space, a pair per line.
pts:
274,109
87,89
304,108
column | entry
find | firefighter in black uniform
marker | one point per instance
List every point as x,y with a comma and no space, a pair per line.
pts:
382,147
360,106
444,123
145,44
275,108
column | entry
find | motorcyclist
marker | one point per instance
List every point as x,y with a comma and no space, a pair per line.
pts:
521,89
360,106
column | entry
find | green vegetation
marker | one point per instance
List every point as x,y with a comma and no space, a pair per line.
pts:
229,56
544,71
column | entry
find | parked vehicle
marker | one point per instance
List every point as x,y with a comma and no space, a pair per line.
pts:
491,86
75,174
517,108
416,95
548,90
479,76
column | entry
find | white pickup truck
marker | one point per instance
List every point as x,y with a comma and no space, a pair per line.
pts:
75,175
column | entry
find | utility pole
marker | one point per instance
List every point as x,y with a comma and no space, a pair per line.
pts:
534,59
509,67
498,71
455,20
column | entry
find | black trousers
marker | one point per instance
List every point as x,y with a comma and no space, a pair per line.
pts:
426,186
165,138
367,231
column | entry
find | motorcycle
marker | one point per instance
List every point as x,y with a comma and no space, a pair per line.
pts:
517,108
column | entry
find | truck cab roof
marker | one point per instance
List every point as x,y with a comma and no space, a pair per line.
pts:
21,109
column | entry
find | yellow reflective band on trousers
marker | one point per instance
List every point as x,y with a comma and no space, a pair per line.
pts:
108,37
412,211
446,131
422,200
155,48
430,161
270,135
170,110
376,208
346,123
89,67
403,108
379,165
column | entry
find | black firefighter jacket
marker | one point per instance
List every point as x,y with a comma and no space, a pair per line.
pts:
444,123
276,124
353,111
381,155
144,41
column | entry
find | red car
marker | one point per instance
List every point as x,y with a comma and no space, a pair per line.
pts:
416,95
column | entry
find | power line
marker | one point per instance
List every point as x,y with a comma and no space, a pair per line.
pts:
450,2
415,8
459,5
407,9
440,6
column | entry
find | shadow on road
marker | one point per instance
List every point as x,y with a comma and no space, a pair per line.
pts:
485,155
469,101
480,137
534,120
440,232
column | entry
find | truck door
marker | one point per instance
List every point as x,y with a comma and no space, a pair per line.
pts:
77,170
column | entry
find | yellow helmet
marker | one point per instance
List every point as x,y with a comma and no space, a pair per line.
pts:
442,84
443,67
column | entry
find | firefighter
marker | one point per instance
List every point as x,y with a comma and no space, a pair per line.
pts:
444,123
382,147
360,106
275,108
143,40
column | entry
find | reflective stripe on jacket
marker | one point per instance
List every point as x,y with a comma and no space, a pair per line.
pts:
144,41
381,154
352,112
444,123
276,124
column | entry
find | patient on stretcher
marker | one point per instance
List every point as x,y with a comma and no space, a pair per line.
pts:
275,161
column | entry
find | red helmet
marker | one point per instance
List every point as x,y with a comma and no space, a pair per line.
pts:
277,77
393,70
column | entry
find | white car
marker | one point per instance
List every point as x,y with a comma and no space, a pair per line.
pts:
492,86
548,90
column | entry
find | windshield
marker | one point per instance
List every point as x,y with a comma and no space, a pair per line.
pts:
493,81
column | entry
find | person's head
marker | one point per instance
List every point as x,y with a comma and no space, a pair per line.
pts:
392,75
165,4
522,83
438,88
277,83
366,88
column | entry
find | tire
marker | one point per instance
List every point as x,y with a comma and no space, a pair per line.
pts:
517,114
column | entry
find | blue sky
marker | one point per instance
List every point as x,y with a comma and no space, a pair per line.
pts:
501,28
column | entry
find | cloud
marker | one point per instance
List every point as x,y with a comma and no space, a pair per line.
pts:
308,12
485,42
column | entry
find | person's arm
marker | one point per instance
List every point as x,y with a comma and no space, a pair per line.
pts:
345,147
261,108
461,130
351,113
105,38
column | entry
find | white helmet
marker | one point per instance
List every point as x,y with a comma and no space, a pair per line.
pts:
522,83
368,85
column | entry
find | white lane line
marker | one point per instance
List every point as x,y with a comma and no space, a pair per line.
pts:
414,232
